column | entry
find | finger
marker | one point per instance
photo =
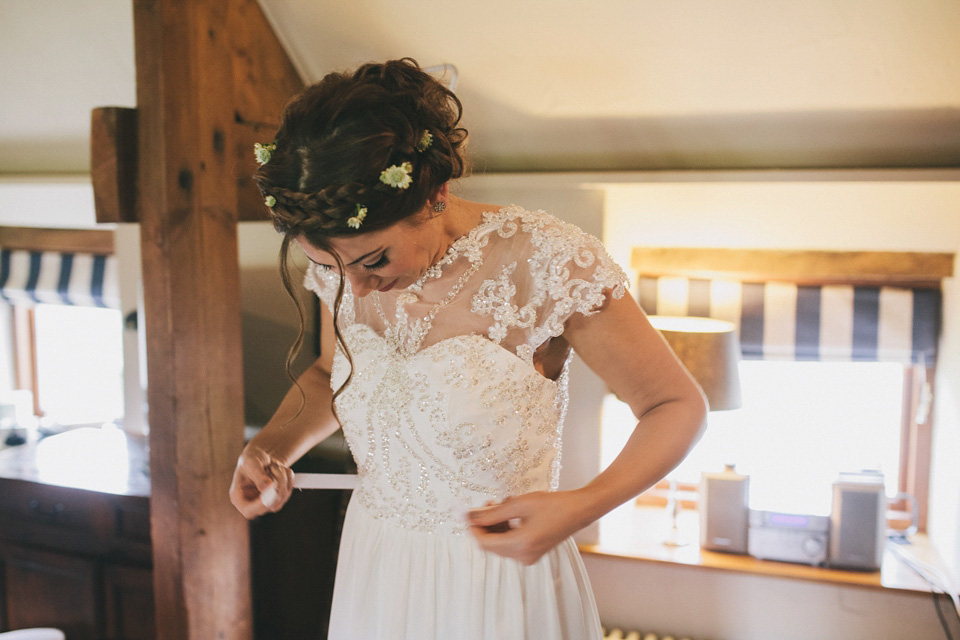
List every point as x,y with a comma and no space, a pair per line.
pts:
274,495
512,544
242,490
491,515
248,508
260,484
254,472
495,541
268,496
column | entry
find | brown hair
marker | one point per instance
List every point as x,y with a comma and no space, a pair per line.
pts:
335,139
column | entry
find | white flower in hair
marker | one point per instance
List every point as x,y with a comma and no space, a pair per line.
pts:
263,152
425,141
397,176
355,221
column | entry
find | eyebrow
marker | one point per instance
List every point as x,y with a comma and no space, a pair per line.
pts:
365,256
360,259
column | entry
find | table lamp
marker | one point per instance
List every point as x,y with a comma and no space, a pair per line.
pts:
710,350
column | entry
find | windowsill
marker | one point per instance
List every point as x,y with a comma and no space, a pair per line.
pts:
637,533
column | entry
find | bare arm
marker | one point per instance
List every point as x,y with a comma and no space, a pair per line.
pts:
621,346
263,481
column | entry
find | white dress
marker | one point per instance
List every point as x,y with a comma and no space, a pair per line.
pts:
446,411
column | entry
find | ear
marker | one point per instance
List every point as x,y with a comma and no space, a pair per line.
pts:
440,195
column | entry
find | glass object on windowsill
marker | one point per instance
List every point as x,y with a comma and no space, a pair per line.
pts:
15,426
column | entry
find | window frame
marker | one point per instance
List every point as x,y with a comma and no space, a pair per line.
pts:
914,472
23,319
809,267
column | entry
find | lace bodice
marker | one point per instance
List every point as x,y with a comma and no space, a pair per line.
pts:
445,409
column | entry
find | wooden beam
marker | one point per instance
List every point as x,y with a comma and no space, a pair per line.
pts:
207,72
264,80
113,163
809,267
97,241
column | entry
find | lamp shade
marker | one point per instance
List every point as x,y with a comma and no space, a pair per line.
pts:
710,350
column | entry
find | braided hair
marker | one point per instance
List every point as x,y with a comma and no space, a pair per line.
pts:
335,139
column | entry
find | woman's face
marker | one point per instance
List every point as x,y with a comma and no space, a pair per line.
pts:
391,258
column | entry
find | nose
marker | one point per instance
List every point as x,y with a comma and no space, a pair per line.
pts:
362,283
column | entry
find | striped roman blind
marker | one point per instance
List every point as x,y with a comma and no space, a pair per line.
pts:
789,321
28,276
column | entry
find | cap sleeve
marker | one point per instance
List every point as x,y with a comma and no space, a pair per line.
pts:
548,270
571,273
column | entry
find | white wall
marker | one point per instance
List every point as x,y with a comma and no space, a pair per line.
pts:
723,605
269,321
52,200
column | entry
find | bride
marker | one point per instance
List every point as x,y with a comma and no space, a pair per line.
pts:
454,325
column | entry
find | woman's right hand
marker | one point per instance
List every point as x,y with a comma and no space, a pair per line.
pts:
260,484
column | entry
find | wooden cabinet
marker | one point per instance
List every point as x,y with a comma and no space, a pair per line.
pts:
75,547
75,559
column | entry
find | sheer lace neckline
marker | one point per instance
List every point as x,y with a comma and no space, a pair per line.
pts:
465,245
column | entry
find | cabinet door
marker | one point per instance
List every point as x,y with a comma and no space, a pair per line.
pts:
51,590
129,603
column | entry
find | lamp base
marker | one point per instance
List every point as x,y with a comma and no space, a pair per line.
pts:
674,507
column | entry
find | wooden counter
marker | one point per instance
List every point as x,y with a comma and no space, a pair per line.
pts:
75,549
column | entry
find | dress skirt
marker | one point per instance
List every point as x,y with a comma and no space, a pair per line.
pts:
395,583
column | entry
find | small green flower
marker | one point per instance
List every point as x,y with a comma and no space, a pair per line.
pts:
263,152
355,221
425,141
270,201
397,176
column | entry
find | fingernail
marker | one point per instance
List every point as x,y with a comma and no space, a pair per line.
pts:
268,496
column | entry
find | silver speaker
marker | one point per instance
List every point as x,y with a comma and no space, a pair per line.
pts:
858,522
724,511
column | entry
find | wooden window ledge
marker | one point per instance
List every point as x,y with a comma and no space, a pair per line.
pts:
638,534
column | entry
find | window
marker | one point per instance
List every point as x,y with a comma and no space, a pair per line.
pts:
801,424
59,297
79,361
838,350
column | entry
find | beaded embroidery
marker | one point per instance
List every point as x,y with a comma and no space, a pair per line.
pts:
440,424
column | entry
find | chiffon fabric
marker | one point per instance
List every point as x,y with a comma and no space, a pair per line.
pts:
446,409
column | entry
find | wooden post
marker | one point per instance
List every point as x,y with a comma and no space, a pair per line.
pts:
207,72
113,163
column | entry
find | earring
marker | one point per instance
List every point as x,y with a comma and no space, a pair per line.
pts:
440,206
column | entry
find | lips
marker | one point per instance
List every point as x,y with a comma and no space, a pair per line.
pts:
388,287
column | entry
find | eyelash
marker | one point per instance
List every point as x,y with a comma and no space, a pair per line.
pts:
379,264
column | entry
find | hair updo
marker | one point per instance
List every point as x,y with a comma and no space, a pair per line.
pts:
335,139
339,134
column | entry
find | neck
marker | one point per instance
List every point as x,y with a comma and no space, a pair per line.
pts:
460,217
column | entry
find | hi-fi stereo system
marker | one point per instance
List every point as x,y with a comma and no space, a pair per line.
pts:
851,537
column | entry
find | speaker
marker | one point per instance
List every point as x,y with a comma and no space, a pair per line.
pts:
858,522
724,511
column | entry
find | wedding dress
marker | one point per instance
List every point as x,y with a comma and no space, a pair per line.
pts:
446,410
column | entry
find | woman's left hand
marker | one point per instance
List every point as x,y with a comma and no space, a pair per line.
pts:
526,527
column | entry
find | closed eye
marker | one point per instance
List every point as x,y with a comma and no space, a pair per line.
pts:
379,264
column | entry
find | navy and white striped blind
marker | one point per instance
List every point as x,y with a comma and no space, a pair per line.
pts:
59,278
786,321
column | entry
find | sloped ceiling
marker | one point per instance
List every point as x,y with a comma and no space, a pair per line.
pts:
563,84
